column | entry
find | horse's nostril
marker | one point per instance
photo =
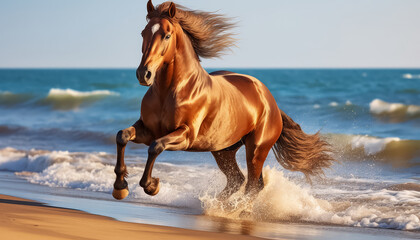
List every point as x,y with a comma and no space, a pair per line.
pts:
148,75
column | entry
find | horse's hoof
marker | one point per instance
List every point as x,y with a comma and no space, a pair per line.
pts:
153,188
120,194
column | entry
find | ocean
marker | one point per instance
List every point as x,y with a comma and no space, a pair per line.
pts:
57,142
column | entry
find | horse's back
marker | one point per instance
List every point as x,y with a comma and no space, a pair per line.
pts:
256,97
221,72
248,86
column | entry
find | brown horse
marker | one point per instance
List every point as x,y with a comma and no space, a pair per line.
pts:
185,108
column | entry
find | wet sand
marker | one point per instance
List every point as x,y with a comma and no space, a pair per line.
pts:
26,219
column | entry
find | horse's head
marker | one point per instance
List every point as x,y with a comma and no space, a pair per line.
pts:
159,43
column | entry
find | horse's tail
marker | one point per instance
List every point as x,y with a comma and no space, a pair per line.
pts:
298,151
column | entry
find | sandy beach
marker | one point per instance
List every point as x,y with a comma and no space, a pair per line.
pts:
26,219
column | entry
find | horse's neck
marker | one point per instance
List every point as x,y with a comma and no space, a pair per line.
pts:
184,70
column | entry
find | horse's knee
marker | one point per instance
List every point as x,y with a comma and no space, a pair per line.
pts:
123,136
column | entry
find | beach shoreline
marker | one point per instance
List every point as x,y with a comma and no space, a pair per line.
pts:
26,205
27,219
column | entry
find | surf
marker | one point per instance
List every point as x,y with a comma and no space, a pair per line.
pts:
68,99
287,197
394,111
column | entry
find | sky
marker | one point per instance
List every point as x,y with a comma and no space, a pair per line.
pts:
270,33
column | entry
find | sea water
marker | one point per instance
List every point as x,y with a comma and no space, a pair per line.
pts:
57,132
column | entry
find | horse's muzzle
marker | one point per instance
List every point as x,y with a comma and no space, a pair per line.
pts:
144,76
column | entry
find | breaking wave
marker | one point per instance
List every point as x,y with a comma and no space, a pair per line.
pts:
67,99
56,92
394,151
59,99
394,111
10,99
380,204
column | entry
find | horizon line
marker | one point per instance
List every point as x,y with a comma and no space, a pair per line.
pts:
262,68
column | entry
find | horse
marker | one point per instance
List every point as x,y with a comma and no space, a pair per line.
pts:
188,109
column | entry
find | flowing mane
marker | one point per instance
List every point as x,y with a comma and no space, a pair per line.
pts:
208,32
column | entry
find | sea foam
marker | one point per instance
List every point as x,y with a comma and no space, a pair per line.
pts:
284,198
57,92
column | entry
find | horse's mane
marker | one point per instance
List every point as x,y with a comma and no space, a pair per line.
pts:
207,31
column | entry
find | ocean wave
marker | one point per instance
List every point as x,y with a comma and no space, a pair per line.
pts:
10,99
411,76
68,99
32,161
371,145
283,198
59,99
344,105
335,104
394,111
394,151
57,92
6,130
63,137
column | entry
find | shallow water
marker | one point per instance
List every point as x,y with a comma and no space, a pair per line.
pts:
57,131
130,211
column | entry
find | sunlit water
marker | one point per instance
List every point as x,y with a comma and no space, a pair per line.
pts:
57,131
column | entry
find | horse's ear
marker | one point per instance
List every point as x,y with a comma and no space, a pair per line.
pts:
172,10
150,7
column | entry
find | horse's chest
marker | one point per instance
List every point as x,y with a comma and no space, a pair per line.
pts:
162,119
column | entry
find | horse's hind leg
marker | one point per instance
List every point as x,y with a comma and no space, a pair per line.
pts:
226,161
255,158
136,133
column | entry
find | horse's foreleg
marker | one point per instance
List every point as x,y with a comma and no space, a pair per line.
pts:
137,133
226,161
176,140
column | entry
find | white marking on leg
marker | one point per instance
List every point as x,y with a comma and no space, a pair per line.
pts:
155,28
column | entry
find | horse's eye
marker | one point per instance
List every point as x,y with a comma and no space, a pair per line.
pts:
168,36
